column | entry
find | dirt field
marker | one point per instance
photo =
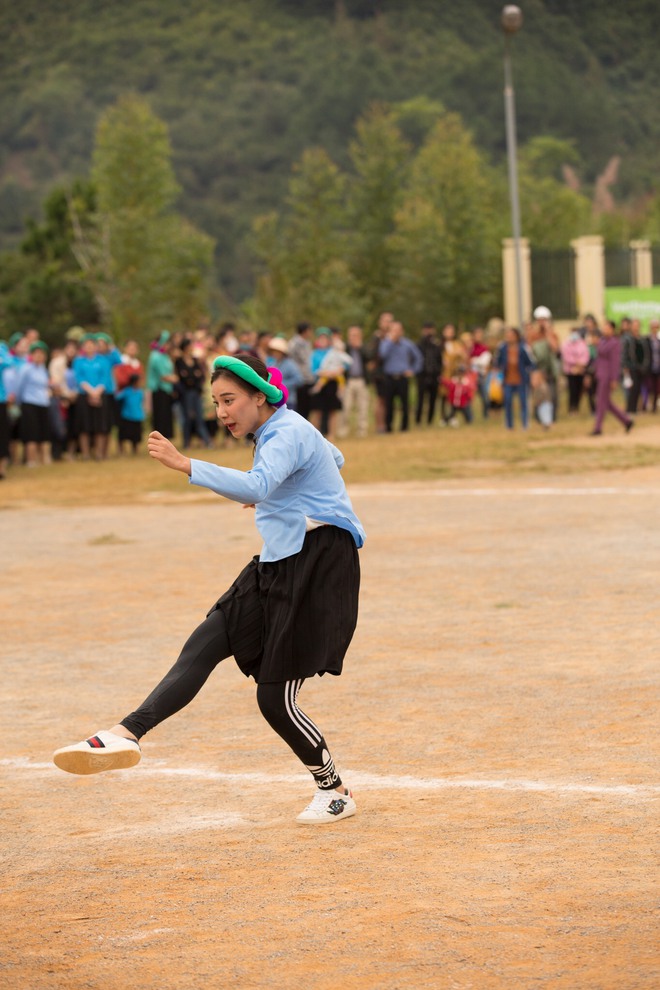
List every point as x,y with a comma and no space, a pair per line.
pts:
497,720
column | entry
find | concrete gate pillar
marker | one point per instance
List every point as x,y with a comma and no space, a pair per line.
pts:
642,264
590,276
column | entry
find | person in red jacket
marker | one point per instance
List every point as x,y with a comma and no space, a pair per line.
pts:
460,390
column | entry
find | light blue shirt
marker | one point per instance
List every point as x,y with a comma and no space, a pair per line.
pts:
131,401
317,357
292,377
109,361
10,373
90,370
295,477
32,385
400,356
6,362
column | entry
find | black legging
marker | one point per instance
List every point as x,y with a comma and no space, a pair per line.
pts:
427,392
396,387
575,386
634,391
161,413
203,651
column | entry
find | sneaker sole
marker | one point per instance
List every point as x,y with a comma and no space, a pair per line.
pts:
81,762
329,820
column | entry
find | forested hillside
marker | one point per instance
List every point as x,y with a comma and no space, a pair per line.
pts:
245,87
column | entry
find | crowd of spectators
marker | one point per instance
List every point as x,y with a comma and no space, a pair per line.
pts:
72,401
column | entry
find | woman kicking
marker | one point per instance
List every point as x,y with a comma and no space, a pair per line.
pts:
291,613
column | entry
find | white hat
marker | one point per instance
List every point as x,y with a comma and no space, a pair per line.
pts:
278,344
542,313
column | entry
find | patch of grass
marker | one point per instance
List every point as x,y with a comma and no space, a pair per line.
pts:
108,539
483,450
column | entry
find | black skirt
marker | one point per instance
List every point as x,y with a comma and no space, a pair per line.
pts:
93,420
130,430
294,618
5,431
161,413
327,400
35,423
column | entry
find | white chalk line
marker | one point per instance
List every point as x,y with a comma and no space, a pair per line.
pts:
139,936
433,492
374,781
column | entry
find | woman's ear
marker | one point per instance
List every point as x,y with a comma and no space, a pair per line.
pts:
261,398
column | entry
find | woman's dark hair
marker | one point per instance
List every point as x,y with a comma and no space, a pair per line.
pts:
252,362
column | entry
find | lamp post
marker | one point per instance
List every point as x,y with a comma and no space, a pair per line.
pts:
512,20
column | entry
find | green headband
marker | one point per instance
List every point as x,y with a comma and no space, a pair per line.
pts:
273,394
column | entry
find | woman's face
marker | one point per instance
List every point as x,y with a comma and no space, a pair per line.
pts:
240,411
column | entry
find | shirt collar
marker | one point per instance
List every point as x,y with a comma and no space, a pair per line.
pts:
271,419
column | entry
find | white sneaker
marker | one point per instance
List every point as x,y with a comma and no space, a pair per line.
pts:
104,751
326,807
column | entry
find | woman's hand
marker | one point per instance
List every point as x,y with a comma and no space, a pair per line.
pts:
163,450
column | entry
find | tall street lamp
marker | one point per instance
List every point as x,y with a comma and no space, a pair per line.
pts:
512,20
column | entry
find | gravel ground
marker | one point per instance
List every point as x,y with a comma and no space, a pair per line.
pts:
497,719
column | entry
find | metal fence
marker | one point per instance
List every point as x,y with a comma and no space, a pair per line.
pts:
619,266
655,260
553,281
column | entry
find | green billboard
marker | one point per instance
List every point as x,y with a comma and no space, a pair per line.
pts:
638,304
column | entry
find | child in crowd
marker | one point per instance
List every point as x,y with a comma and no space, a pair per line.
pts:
278,351
541,399
131,414
460,390
334,366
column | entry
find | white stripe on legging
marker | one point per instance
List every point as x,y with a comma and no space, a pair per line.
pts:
299,719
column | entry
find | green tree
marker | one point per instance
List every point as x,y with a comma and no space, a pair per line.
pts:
448,231
651,227
304,251
148,267
42,285
380,159
132,165
552,213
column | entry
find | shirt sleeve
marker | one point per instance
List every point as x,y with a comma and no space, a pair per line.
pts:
275,460
337,454
21,377
78,371
415,357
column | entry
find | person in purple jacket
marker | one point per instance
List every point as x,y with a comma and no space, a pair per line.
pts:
608,371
